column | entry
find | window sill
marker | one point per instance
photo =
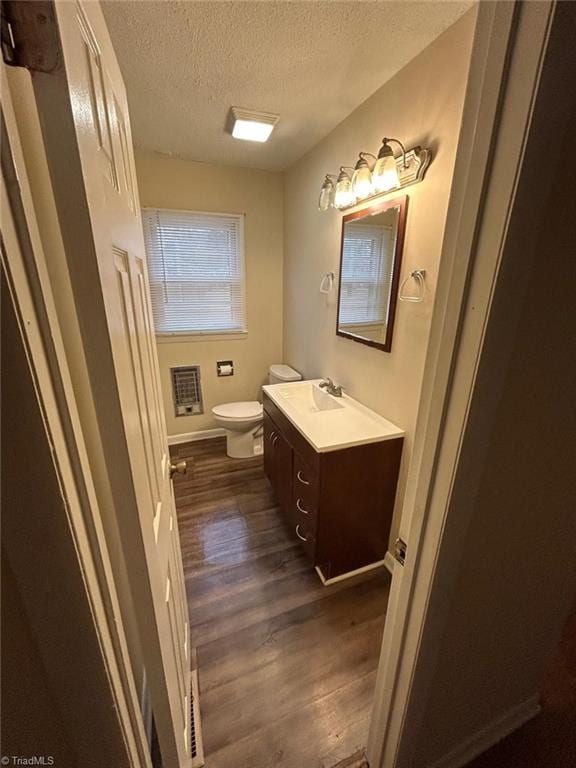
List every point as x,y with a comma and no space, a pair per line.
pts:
183,338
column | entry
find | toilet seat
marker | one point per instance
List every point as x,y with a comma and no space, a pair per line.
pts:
239,411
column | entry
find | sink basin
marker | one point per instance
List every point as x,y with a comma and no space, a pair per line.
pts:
308,397
327,422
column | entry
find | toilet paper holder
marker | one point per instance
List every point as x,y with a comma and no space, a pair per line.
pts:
225,368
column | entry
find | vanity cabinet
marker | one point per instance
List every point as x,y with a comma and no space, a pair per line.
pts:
337,503
278,464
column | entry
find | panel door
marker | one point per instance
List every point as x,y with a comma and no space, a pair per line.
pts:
98,108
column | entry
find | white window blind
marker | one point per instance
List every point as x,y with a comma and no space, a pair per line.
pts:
366,274
196,270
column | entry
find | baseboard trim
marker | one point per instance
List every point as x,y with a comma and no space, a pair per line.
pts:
493,733
350,574
191,437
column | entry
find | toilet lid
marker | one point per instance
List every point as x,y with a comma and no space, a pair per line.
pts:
239,411
285,373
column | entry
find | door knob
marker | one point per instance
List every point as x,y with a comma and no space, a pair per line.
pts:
181,467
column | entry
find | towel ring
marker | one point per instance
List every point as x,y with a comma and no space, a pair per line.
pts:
418,275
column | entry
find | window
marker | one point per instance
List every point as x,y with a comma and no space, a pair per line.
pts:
196,269
366,274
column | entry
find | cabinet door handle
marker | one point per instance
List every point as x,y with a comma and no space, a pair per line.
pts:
301,478
302,538
301,509
272,436
274,440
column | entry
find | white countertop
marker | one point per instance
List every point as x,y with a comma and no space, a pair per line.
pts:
329,423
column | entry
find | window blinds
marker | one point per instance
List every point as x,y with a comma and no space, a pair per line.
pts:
366,274
196,271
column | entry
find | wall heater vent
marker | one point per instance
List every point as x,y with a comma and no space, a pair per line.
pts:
187,390
196,747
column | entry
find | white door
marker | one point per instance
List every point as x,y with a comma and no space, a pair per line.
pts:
100,195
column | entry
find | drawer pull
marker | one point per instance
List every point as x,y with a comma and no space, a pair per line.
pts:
302,538
301,509
301,478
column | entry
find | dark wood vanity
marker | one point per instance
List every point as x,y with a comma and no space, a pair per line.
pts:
338,503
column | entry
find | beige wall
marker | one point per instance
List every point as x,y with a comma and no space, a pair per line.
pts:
422,105
180,184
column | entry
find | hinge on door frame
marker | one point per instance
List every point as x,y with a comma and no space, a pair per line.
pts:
400,548
29,35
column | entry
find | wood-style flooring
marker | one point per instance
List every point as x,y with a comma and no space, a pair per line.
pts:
286,666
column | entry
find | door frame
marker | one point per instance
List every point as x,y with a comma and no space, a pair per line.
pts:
448,381
26,271
506,62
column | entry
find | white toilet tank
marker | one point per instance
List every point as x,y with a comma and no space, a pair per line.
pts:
277,374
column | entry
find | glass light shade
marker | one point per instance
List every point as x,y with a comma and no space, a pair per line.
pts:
362,182
252,130
385,174
326,194
344,195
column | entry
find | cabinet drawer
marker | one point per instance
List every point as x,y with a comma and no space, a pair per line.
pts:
305,478
304,487
306,534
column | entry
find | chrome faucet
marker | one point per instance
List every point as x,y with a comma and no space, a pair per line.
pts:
333,389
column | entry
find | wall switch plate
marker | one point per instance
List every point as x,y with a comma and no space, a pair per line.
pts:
225,368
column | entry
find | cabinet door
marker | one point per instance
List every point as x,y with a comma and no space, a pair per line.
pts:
283,455
270,433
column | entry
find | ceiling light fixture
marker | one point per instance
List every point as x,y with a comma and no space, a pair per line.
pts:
251,126
366,182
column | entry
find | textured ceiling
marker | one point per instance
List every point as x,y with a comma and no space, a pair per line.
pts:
186,63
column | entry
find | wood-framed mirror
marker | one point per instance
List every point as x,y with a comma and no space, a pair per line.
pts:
370,261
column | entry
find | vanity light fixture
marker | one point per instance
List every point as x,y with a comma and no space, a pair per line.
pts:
362,178
344,196
327,192
251,126
387,173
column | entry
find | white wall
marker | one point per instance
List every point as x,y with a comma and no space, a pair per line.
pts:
422,105
180,184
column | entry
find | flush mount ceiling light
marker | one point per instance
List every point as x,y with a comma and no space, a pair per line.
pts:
386,174
251,126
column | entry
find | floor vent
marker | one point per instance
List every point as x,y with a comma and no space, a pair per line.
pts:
357,760
187,390
196,748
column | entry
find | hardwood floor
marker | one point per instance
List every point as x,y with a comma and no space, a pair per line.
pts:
286,666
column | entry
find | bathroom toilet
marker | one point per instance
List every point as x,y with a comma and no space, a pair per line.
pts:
243,421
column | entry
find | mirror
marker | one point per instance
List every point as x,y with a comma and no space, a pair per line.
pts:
370,256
